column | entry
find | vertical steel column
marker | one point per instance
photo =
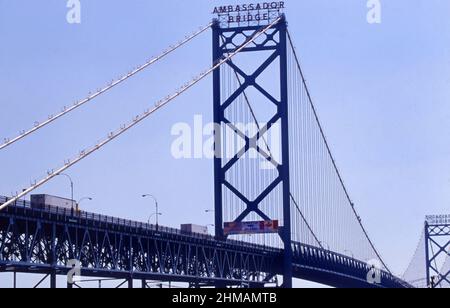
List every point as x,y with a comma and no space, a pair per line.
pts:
284,168
427,254
218,173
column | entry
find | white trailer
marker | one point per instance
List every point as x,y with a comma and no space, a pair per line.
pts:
47,201
190,228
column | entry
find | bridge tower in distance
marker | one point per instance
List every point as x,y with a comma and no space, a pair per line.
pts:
437,248
226,38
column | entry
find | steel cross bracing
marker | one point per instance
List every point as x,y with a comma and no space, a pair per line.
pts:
437,245
275,42
266,143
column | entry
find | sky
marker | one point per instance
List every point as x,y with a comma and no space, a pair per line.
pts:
381,90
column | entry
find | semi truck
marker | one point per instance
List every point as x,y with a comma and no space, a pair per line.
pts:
52,202
190,228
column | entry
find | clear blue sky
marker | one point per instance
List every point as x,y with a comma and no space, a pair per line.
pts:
382,92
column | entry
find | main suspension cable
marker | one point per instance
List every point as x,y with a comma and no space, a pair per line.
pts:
65,110
322,132
112,136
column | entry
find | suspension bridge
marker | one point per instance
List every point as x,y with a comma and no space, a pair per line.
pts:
320,237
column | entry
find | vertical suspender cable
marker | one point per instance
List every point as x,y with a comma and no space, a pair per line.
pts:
269,150
332,157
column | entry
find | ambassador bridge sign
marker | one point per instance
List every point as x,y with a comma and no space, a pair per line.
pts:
249,14
438,219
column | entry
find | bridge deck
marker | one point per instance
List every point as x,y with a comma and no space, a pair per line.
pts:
44,241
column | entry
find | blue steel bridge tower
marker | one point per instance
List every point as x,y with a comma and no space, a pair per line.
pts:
273,42
437,247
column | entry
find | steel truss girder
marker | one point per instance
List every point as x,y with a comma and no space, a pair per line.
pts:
35,241
29,238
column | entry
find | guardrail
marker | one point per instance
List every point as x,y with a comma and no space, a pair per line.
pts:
311,252
81,215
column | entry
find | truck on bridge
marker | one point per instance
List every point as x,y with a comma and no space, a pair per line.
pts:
48,201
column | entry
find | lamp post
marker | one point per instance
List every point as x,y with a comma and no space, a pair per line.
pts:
154,214
81,200
71,187
157,213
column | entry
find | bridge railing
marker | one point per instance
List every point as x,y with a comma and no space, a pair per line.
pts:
311,253
21,203
76,216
